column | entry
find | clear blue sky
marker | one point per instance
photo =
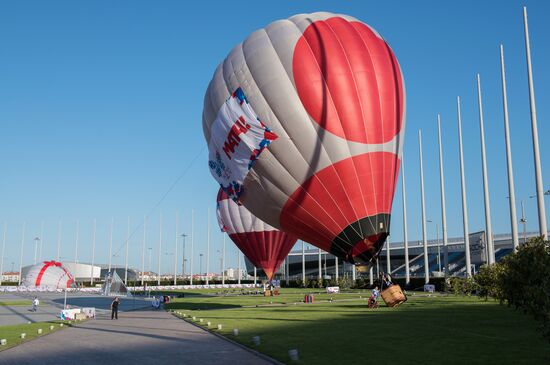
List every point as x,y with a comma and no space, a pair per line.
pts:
101,102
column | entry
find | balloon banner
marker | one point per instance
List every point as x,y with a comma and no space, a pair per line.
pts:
237,139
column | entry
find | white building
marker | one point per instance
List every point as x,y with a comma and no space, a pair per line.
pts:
10,276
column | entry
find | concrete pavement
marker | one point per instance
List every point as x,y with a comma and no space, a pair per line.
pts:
138,337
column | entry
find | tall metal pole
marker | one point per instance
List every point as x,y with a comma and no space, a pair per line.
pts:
176,251
183,235
405,236
463,189
524,222
21,258
41,241
511,189
320,265
160,247
239,267
371,278
223,260
424,233
58,240
255,275
303,263
208,249
36,241
3,250
488,229
192,246
443,208
93,255
353,273
388,258
76,241
111,244
126,259
143,250
534,129
336,266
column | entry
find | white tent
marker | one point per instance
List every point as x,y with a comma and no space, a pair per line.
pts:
48,274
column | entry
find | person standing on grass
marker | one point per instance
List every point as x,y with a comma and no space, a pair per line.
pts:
114,308
35,303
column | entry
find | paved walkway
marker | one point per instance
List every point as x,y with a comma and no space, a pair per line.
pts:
138,337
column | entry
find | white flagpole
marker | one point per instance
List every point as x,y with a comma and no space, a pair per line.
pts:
511,189
239,266
41,241
93,255
488,229
21,258
405,236
223,260
126,259
303,264
443,208
58,239
160,248
463,190
76,242
192,246
388,258
534,130
424,236
208,249
111,244
143,250
176,251
3,250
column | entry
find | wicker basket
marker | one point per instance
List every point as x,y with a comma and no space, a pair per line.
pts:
393,296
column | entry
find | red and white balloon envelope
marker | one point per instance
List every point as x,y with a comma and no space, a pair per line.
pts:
305,123
265,246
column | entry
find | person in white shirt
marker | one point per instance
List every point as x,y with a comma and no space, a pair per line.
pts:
35,303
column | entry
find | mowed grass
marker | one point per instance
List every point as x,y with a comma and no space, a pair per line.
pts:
13,303
13,333
424,330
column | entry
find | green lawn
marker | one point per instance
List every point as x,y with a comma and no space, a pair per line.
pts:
12,303
425,330
13,333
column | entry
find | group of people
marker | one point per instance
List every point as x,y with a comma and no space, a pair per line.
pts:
385,282
158,300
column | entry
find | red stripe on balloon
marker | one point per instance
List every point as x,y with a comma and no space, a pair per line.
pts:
316,211
265,250
349,81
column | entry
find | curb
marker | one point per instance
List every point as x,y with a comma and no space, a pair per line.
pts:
257,353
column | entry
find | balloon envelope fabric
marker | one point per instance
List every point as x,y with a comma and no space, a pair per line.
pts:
331,90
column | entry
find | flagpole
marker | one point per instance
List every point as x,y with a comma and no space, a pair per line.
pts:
93,255
21,258
126,259
405,236
58,239
192,246
208,249
143,251
3,250
534,130
41,241
488,229
443,208
511,189
388,259
223,260
160,248
424,236
176,251
111,244
463,190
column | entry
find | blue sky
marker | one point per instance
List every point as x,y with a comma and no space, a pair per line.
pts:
101,103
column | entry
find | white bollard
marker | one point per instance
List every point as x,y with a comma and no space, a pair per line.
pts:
184,315
219,326
194,318
23,335
51,328
208,324
61,325
256,340
293,354
200,320
29,322
39,331
3,342
235,331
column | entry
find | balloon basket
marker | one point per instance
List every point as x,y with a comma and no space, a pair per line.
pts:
393,296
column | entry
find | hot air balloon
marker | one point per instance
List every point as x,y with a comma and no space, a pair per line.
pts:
265,246
305,125
50,274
